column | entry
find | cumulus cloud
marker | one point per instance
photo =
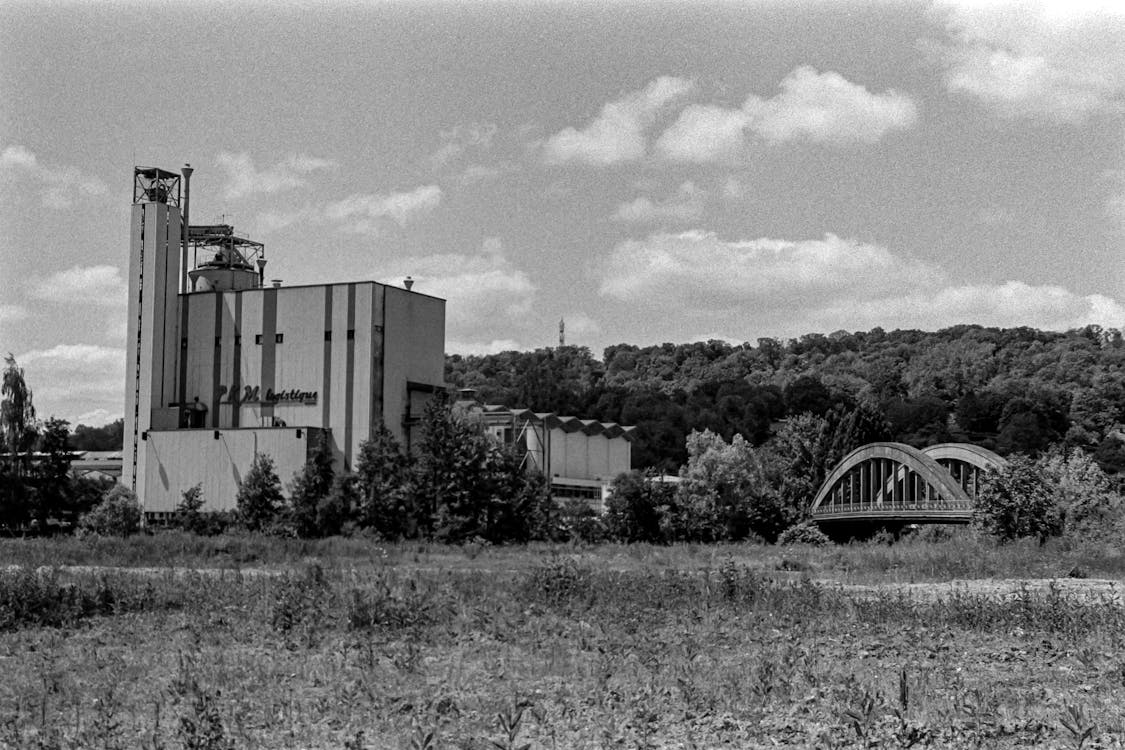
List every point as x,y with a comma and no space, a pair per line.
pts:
818,107
244,179
618,133
685,206
364,211
1036,59
57,186
792,287
95,285
76,379
486,294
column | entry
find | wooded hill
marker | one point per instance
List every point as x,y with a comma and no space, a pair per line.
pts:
1016,390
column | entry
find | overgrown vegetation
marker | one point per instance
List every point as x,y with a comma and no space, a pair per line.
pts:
635,647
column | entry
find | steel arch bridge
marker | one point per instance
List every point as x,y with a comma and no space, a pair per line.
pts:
897,483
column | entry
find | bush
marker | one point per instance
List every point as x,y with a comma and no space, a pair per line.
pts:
579,522
1017,501
803,533
259,495
118,514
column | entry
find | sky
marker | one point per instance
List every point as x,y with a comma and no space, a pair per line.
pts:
651,172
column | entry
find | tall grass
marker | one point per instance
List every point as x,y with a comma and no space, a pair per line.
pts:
574,648
964,555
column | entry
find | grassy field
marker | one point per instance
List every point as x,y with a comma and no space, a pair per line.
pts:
174,641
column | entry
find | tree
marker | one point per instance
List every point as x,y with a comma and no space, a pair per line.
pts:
1086,501
802,449
52,473
445,471
110,437
17,415
1017,501
338,508
807,394
118,514
311,487
383,474
635,508
259,495
188,515
726,491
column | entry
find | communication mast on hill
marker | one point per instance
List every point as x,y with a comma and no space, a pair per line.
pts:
562,332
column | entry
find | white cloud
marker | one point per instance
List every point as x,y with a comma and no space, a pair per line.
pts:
789,288
58,187
96,285
456,141
699,266
1006,305
617,134
1063,62
579,324
818,107
454,346
703,133
12,313
267,222
734,189
365,210
487,296
95,418
76,379
244,179
827,108
685,206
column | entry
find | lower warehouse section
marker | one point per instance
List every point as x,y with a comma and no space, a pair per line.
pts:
177,460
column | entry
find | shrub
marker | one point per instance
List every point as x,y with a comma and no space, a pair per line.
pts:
1017,501
634,508
118,514
803,533
259,495
579,522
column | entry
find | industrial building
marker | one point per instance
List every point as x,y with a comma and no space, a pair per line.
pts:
580,457
222,366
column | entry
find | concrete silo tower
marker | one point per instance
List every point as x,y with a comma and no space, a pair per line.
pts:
152,345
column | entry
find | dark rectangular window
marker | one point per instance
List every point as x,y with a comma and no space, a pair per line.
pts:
258,338
218,341
351,334
328,335
183,343
238,340
278,338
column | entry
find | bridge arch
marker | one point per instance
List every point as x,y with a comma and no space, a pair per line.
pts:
897,482
966,462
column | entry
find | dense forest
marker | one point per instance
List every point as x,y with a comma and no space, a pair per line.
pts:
1017,390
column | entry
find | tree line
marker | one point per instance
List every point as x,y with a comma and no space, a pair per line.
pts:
1015,390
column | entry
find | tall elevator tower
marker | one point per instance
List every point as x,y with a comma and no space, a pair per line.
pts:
152,347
